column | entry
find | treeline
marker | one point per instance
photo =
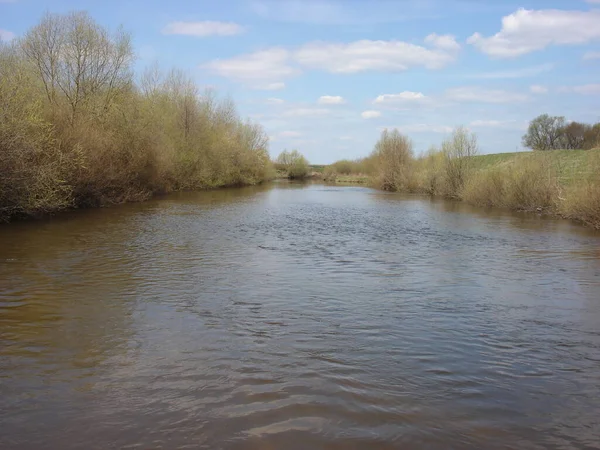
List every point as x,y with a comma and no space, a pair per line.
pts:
77,130
292,164
528,181
554,133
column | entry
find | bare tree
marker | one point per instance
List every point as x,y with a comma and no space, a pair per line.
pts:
43,46
574,135
78,58
545,133
458,151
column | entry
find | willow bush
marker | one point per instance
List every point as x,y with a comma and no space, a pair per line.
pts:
77,130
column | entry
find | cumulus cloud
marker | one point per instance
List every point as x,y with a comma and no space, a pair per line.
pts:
262,70
537,89
331,100
370,114
478,94
6,35
402,97
587,89
443,41
526,31
203,29
271,66
275,101
366,55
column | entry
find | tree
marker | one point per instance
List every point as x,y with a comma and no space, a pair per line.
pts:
592,137
294,163
458,151
545,133
574,135
76,57
393,154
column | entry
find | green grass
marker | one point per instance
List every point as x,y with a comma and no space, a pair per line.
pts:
352,179
571,165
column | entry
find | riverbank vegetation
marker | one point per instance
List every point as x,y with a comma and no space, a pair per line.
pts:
77,130
565,183
292,165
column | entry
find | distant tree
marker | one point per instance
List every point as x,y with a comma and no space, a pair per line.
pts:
592,137
545,133
294,163
574,135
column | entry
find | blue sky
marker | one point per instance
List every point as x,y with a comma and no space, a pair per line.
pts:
326,76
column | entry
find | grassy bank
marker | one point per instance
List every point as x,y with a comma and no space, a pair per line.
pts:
79,129
563,183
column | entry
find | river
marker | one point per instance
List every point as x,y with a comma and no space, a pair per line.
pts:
292,316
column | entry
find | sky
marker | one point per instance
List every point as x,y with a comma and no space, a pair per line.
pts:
327,76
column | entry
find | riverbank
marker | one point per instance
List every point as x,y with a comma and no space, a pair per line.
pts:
560,183
126,137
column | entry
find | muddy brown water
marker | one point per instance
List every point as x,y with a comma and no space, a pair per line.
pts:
299,317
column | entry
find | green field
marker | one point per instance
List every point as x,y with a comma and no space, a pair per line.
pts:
570,164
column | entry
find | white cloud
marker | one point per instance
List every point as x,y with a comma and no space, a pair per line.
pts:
402,97
444,41
290,134
370,114
537,89
306,112
478,94
261,70
516,73
511,124
591,55
331,100
423,128
365,55
588,89
6,35
266,69
203,29
525,31
275,101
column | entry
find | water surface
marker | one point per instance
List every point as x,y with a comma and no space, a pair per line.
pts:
299,317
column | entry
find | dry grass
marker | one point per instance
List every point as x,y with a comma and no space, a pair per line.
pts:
581,200
530,185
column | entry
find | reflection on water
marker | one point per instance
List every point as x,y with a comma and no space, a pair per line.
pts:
299,316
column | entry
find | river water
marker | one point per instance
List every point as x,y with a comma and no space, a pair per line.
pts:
295,316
